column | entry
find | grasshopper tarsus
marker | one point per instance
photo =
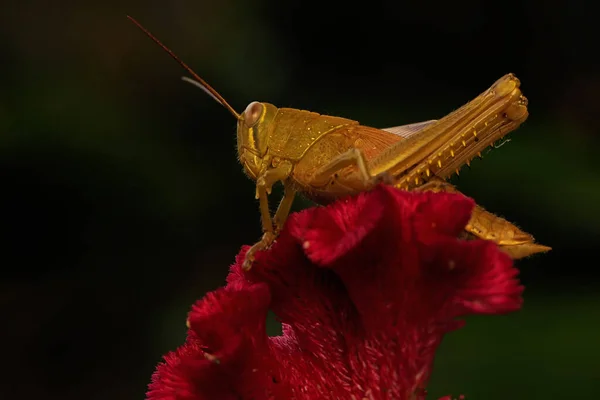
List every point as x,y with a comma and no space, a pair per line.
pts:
264,243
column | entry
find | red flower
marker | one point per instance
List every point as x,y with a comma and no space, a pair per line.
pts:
365,289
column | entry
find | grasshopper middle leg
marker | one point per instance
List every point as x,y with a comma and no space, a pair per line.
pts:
352,157
284,207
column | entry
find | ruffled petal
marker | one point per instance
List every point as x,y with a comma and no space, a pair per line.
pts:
338,229
226,355
381,279
365,289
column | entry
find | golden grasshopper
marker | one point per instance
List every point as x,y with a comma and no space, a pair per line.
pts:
325,157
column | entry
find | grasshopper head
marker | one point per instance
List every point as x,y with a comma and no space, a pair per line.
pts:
253,130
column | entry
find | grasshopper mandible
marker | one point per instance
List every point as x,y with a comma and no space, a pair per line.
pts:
325,157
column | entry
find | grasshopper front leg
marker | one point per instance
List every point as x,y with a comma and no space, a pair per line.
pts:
264,184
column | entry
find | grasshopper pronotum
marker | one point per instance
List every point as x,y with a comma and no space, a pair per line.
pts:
325,157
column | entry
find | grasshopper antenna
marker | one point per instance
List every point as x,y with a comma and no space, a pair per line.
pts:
201,86
197,81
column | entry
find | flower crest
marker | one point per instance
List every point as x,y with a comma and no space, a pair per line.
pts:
365,290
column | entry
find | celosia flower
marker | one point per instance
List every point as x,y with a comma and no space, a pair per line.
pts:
365,290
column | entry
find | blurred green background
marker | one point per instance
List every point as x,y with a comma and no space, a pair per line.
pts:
123,202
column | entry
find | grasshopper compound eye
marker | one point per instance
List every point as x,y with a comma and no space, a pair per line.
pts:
253,112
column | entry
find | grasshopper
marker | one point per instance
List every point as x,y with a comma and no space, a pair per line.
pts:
325,157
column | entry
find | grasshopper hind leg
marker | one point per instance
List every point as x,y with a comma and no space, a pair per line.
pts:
513,241
485,225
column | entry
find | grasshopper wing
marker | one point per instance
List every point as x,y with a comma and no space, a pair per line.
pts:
410,129
372,141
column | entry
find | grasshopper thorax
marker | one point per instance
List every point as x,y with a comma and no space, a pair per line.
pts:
253,131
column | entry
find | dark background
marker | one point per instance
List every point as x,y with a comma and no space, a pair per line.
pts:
122,201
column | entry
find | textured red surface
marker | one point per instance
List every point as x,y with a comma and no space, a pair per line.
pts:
365,289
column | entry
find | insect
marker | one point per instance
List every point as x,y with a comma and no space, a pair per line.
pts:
325,157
